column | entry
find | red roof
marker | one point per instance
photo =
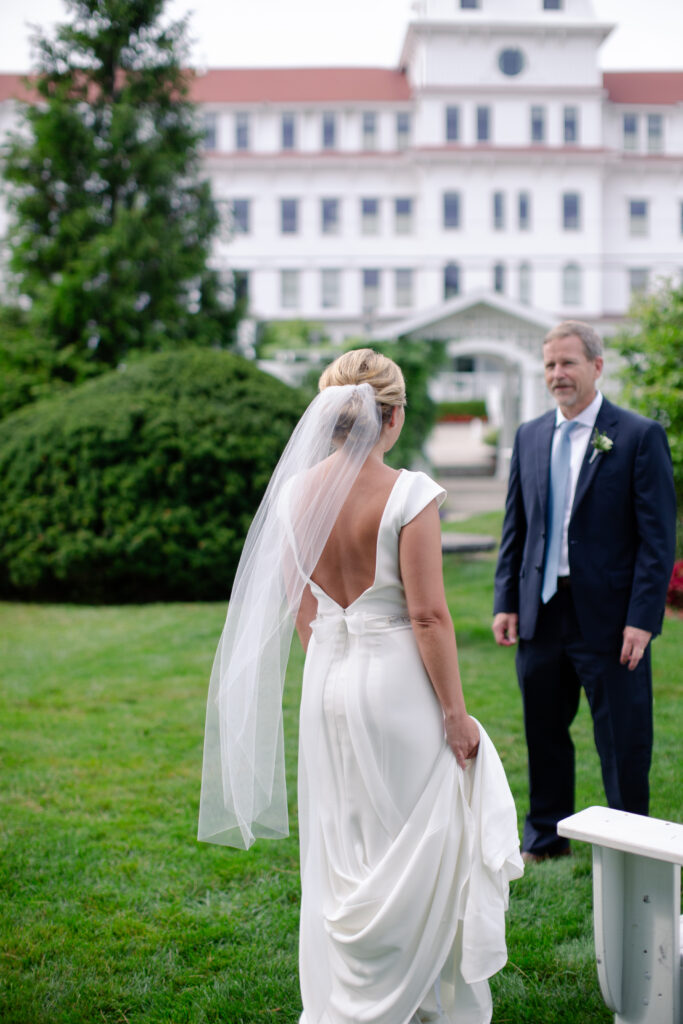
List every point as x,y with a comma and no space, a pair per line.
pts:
644,86
300,85
12,88
332,85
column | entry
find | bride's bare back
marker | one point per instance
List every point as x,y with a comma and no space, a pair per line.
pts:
346,568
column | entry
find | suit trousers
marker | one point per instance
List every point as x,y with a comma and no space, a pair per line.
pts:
552,668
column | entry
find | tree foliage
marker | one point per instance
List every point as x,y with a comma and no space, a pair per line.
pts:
111,223
140,485
653,376
419,362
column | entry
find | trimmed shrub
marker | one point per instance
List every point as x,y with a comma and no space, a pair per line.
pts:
141,484
462,411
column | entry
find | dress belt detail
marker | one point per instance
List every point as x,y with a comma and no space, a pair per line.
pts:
355,624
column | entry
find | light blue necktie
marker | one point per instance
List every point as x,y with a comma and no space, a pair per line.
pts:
559,479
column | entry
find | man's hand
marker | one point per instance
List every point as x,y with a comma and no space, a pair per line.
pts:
635,642
505,628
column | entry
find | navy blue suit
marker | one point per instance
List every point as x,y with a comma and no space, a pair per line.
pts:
621,548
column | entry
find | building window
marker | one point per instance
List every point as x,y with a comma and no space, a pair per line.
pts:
329,130
630,125
371,283
571,125
240,286
330,289
525,284
329,216
210,124
498,211
289,216
524,211
404,288
241,216
288,131
571,211
369,130
552,5
369,216
538,124
451,209
655,133
451,280
637,217
241,131
499,278
289,289
511,62
403,129
469,5
403,216
571,285
452,124
638,280
483,124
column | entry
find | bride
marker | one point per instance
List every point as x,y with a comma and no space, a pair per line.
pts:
407,826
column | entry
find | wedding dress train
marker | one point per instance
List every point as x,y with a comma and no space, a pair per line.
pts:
405,857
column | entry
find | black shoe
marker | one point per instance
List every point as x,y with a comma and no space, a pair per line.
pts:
537,858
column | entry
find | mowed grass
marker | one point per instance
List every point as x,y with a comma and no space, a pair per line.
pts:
112,912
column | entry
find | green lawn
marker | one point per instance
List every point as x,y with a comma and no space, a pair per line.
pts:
112,912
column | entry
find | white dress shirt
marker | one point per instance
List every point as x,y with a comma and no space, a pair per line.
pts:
579,437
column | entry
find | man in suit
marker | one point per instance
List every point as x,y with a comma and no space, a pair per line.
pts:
585,558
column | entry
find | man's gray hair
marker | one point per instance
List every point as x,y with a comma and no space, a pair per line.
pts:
592,342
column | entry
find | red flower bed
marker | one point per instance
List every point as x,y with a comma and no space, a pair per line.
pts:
674,595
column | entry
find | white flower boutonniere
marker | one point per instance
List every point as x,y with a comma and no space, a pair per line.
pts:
601,443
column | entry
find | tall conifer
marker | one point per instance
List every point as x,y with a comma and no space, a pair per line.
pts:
111,221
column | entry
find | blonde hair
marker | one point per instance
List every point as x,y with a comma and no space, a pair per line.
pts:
363,365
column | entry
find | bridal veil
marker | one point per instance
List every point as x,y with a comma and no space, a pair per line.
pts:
243,793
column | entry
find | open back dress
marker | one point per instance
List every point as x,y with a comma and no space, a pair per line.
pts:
405,857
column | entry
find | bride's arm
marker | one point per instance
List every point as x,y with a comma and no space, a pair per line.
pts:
422,574
308,609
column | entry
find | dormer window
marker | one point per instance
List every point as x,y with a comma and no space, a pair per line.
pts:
469,5
553,5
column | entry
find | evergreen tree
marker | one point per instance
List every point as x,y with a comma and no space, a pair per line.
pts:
111,223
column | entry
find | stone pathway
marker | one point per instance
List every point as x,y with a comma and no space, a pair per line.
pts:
464,466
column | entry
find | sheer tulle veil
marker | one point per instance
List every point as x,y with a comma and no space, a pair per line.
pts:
243,793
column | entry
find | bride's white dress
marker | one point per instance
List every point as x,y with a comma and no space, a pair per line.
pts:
405,858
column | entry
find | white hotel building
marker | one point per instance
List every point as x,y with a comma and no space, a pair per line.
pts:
494,182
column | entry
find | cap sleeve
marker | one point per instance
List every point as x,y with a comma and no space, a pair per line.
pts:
420,490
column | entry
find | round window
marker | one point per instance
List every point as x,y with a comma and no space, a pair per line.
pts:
511,62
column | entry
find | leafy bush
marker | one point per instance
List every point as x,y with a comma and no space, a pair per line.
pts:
652,345
419,362
141,484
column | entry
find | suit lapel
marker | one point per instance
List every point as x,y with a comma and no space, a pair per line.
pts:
544,443
606,422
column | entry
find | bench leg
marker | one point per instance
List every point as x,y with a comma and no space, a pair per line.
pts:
636,903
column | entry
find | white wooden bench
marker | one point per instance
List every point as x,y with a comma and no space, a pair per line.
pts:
636,907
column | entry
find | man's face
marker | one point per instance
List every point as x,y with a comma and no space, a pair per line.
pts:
569,375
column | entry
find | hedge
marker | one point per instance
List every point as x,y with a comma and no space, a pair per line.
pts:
141,484
463,410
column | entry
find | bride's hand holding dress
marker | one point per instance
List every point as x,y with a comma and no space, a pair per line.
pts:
422,575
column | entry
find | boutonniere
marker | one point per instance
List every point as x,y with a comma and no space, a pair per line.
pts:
601,443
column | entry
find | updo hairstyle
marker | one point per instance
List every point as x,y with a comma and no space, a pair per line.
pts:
361,366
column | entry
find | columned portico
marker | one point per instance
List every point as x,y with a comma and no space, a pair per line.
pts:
495,351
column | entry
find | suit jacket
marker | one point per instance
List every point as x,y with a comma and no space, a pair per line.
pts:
621,531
